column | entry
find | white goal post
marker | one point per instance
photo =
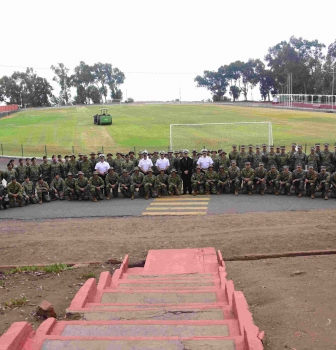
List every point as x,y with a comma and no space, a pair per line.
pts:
219,135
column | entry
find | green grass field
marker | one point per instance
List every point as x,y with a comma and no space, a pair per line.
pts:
147,127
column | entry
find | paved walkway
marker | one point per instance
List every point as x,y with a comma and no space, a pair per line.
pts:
179,300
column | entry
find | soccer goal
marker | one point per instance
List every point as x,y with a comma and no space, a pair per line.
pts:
219,135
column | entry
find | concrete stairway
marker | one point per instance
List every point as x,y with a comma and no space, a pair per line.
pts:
179,300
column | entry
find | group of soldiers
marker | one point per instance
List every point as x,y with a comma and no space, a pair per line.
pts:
171,173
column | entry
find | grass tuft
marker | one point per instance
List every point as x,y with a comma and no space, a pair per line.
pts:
16,302
54,268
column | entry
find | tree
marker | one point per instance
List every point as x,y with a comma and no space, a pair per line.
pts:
63,78
93,94
248,76
215,82
101,73
233,73
83,78
115,78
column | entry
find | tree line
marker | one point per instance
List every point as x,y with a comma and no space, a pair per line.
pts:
312,72
95,83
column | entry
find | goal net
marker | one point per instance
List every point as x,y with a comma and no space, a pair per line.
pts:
219,135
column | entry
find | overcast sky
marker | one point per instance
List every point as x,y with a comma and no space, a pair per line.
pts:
154,37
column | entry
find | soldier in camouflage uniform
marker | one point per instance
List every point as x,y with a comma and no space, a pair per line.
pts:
242,158
264,152
198,182
234,177
311,178
298,179
162,183
277,151
223,160
273,180
82,187
10,173
300,158
42,190
28,192
174,183
332,184
73,166
283,158
154,158
22,171
327,158
70,187
323,181
137,178
128,165
14,190
57,188
93,160
34,171
86,167
132,158
45,170
257,158
4,201
272,159
117,164
150,184
56,168
251,154
223,180
126,185
247,177
110,160
211,180
313,159
291,157
285,181
112,180
260,178
234,153
96,186
172,161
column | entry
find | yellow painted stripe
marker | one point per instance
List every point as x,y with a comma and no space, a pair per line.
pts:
175,213
181,199
174,203
176,208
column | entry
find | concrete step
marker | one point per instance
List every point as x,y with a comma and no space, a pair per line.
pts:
182,285
225,343
148,329
161,297
160,306
199,276
159,313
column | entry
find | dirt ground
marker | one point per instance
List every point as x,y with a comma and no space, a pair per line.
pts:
291,298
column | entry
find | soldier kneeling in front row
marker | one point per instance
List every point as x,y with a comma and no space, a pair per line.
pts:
4,201
29,194
42,189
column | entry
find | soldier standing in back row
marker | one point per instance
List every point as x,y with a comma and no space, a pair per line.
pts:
272,159
34,171
300,158
313,159
45,170
223,160
326,158
234,153
21,171
257,158
242,158
283,158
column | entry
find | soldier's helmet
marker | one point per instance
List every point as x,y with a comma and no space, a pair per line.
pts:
92,154
95,173
124,171
273,166
111,168
247,163
221,167
136,169
173,170
261,164
85,156
72,155
233,161
69,174
150,170
80,173
311,167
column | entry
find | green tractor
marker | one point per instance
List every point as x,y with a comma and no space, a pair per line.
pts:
103,118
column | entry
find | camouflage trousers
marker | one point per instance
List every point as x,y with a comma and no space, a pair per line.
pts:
59,195
298,186
140,189
261,186
114,190
198,188
247,186
223,186
4,202
212,187
96,193
333,191
43,195
84,194
235,185
70,192
12,199
324,187
275,185
129,192
310,189
285,188
30,200
152,190
174,189
162,189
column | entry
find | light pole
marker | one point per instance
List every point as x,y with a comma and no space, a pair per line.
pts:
332,89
